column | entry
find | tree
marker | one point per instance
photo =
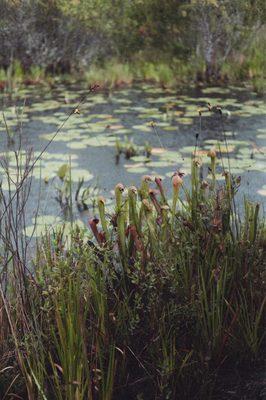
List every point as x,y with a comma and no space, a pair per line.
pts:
221,25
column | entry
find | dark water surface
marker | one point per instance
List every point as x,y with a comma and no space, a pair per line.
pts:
89,137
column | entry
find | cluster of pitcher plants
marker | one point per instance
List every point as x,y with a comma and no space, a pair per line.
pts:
154,300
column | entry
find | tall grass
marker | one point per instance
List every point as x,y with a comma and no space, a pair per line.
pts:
151,302
112,74
115,73
248,66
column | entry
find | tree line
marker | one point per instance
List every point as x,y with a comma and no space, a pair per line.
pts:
70,35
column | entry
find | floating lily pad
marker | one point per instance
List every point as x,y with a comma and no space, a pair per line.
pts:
261,136
122,110
142,128
171,156
78,173
61,137
171,128
185,121
160,164
137,170
215,90
162,124
187,149
158,150
262,192
140,159
57,156
99,141
123,131
77,145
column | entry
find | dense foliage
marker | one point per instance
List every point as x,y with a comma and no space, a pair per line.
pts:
70,35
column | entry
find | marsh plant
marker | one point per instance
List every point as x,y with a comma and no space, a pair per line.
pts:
155,301
129,149
85,195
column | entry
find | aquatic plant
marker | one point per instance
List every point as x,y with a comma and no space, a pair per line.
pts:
130,149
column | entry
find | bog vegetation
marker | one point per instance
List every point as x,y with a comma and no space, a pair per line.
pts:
155,300
163,297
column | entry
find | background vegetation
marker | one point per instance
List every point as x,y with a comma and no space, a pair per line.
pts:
206,39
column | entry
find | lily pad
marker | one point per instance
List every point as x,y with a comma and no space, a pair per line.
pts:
137,170
142,128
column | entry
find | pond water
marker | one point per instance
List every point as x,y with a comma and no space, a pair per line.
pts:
163,122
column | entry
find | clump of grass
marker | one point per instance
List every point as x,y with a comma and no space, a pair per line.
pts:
259,85
2,75
112,74
16,75
35,75
155,302
159,72
115,73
